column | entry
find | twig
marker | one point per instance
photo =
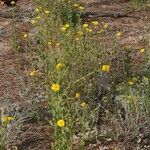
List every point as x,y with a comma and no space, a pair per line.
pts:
107,14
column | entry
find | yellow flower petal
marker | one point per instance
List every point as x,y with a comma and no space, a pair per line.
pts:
59,66
80,33
57,44
81,8
106,68
46,11
101,31
36,10
89,30
142,50
38,17
106,25
25,35
49,43
95,23
84,105
63,29
130,82
33,73
66,25
77,95
77,39
85,25
118,34
76,5
55,87
7,119
33,21
13,2
61,123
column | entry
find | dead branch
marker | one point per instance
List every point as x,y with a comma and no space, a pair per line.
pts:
107,14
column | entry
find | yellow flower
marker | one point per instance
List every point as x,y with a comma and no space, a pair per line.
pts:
76,5
59,66
95,23
77,95
145,78
130,82
142,50
132,99
7,119
118,34
14,147
33,73
67,25
77,39
33,21
38,17
63,29
84,105
49,43
36,10
106,68
101,31
46,11
80,33
55,87
12,3
85,25
61,123
127,47
25,35
81,8
105,99
57,44
106,25
89,30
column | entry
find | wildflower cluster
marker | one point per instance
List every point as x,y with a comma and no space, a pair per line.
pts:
72,63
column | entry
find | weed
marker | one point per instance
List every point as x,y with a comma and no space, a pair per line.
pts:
82,79
138,4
